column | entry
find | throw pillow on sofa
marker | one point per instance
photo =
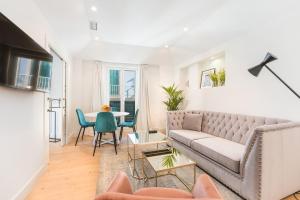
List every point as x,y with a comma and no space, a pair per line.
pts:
192,121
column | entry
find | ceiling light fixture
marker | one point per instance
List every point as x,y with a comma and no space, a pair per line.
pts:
185,29
166,46
93,8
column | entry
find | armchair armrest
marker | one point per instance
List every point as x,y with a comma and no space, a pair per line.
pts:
205,188
120,184
120,196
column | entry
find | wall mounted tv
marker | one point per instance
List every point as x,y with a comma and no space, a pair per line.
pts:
23,63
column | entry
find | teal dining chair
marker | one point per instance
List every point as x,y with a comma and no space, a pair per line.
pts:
131,124
105,123
83,124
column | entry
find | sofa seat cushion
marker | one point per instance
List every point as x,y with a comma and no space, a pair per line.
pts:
187,136
224,152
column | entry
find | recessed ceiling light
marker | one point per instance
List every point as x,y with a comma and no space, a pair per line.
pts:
93,8
185,29
96,38
166,46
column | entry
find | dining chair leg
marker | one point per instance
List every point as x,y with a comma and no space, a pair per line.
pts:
78,135
100,138
121,132
134,130
94,130
83,133
115,141
95,146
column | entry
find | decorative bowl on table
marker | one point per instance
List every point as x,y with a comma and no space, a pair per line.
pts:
105,108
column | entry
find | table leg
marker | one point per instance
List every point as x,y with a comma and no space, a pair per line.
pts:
155,179
194,174
133,158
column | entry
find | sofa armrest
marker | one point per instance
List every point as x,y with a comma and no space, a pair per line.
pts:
270,163
174,120
257,137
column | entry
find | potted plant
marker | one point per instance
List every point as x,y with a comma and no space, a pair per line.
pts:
214,78
221,75
218,78
175,97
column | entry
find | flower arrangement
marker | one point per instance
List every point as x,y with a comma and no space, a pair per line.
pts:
105,108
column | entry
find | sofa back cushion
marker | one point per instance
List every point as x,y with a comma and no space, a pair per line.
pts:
192,121
234,127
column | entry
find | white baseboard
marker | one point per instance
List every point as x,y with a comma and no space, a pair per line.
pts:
27,188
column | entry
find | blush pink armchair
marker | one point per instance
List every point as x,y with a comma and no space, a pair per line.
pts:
120,189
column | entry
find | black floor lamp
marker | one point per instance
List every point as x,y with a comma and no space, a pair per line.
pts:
269,58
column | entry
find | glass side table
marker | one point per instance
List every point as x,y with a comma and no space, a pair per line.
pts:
141,139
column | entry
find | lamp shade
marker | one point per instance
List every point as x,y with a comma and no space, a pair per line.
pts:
256,69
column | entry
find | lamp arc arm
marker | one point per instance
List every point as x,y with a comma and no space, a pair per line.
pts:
282,81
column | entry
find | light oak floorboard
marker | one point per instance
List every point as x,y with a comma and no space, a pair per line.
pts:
72,173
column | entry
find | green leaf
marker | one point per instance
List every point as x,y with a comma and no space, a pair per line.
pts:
175,97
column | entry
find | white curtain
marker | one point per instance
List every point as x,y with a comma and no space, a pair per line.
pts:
99,86
144,117
96,100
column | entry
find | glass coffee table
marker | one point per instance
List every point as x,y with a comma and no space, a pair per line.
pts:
166,162
142,139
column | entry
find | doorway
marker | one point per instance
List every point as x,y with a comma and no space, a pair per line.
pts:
122,91
57,100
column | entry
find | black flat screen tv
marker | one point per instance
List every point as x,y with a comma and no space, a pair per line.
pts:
24,64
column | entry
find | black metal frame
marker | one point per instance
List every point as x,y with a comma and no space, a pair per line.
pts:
98,141
269,58
50,138
84,127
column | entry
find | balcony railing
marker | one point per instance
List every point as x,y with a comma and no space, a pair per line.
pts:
114,90
43,83
24,80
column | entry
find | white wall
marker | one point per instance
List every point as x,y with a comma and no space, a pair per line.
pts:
264,95
24,123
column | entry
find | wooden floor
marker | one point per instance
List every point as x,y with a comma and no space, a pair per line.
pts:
72,174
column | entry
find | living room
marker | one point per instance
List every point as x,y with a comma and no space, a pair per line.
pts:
194,99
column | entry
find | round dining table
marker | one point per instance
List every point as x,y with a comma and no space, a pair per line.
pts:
116,114
93,116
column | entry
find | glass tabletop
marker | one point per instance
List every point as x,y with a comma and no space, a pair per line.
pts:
169,161
147,138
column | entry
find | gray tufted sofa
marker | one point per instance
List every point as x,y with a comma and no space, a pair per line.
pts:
256,157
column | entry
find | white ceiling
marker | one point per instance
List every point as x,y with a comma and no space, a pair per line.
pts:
154,23
149,23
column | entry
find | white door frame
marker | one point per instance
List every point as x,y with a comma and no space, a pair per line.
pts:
64,98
